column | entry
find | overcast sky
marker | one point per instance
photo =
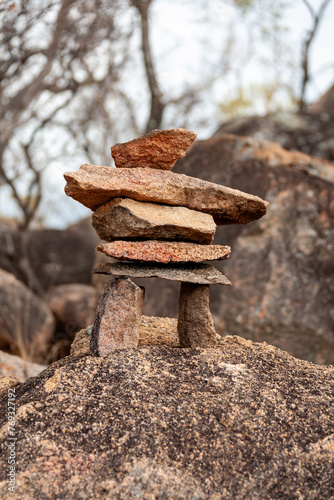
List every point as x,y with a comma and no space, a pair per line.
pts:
180,38
184,51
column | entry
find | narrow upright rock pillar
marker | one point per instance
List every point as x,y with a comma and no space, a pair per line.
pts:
117,321
195,325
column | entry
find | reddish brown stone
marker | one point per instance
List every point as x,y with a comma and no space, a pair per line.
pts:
158,149
164,251
94,186
195,325
117,321
126,219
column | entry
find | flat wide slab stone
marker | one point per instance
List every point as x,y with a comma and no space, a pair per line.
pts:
203,274
164,251
158,149
123,218
117,321
94,186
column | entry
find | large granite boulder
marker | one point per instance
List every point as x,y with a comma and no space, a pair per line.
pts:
26,322
61,257
281,267
14,366
8,245
310,131
73,305
247,421
51,256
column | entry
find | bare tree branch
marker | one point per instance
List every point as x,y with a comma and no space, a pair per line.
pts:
59,54
27,94
306,76
310,8
157,105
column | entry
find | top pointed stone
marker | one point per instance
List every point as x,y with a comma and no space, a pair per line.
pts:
159,149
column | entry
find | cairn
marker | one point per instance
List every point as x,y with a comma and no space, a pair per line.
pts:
157,224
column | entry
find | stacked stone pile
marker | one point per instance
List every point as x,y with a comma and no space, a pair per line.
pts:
163,223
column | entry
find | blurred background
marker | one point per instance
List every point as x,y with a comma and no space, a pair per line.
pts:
78,76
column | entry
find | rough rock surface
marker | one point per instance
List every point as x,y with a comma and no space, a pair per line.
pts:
310,131
164,251
7,383
73,304
203,274
14,366
123,218
55,256
282,267
158,331
195,324
154,331
26,322
247,421
81,342
324,105
117,320
158,149
94,186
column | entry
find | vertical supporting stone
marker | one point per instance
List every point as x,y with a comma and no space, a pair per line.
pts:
195,325
117,320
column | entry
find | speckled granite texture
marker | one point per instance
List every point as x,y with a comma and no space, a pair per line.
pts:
164,251
95,185
245,421
159,149
126,219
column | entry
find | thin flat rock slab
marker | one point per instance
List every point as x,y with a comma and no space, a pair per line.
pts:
94,186
195,324
158,149
123,218
164,252
202,274
118,315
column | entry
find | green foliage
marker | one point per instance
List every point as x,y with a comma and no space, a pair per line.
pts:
244,5
238,104
269,97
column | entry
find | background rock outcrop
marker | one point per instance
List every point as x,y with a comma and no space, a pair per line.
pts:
310,131
73,305
54,256
281,267
52,266
14,366
26,322
244,421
